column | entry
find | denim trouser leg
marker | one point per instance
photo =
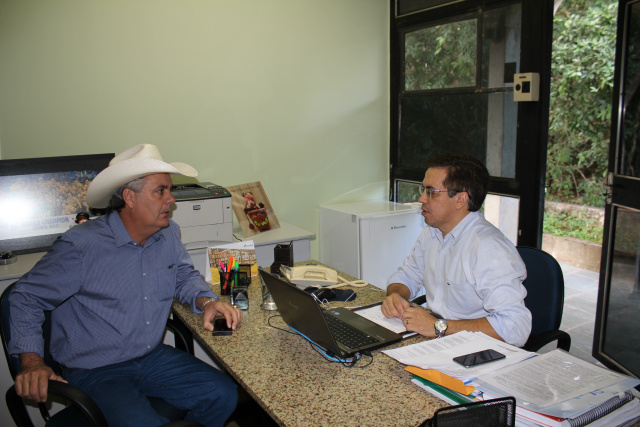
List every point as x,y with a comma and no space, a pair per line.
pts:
120,390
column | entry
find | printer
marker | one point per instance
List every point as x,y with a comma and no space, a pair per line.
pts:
204,213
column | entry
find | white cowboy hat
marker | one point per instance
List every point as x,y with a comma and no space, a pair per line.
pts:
136,162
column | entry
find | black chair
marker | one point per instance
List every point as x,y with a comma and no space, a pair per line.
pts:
489,413
80,410
545,299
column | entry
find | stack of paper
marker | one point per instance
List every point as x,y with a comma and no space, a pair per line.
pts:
438,354
557,384
555,389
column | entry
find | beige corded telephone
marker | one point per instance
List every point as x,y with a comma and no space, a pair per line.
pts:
310,275
318,275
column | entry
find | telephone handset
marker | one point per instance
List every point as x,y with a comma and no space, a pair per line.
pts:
310,275
317,275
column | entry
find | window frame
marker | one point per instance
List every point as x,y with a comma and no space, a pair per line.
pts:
533,117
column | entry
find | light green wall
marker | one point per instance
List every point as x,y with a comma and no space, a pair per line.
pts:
292,93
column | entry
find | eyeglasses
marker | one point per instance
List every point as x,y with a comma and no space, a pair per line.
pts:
430,191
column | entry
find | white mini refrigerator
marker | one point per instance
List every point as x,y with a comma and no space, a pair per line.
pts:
368,240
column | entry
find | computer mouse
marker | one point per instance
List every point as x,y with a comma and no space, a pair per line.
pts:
324,293
321,293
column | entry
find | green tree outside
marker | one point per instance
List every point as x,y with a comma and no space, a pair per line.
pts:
580,105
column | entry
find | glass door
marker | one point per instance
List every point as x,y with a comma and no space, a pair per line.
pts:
617,328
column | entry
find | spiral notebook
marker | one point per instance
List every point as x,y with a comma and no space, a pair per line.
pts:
531,417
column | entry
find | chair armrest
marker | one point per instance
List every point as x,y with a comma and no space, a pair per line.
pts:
76,397
539,341
183,423
80,400
181,335
17,409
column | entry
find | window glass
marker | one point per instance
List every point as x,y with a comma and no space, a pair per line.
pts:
408,192
624,293
501,46
433,124
442,56
630,135
503,212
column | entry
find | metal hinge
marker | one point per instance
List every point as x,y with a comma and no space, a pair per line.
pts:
609,194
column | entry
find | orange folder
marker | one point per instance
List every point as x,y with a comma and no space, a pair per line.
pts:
442,379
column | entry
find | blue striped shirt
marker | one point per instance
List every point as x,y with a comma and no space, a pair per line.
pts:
109,296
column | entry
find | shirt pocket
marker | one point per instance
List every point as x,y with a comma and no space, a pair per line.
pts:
165,284
462,296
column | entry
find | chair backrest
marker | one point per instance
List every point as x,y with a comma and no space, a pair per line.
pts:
545,289
5,332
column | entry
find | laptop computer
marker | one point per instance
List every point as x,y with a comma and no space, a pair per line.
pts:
339,331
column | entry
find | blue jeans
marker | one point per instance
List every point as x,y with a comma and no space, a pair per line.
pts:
121,390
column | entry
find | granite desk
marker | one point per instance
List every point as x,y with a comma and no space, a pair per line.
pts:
297,386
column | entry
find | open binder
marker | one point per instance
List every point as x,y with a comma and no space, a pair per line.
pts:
532,417
554,389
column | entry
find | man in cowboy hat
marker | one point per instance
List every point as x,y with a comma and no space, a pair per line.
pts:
109,284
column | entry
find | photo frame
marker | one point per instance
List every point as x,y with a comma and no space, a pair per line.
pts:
252,208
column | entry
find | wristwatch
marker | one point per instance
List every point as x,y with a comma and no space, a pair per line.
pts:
441,327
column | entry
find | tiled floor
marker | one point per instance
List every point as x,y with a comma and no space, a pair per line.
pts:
578,319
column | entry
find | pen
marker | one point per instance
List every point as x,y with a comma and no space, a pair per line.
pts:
229,267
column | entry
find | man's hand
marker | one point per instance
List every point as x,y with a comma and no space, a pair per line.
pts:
211,310
33,381
416,319
394,306
397,300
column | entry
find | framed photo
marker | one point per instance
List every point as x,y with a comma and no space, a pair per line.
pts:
252,208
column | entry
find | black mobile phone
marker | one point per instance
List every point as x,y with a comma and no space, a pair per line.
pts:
220,328
478,358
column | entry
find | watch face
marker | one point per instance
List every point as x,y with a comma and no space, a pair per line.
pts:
441,325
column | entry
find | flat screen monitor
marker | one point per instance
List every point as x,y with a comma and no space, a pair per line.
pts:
41,197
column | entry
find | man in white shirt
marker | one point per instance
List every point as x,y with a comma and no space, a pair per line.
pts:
469,271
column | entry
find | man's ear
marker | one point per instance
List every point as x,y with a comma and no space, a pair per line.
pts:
129,197
462,198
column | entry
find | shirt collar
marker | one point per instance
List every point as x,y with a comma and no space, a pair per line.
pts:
122,236
458,231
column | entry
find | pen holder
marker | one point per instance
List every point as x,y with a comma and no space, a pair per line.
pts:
227,282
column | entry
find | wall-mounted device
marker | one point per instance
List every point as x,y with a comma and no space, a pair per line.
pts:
526,87
203,212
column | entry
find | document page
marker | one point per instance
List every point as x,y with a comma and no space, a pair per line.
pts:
439,353
553,378
374,314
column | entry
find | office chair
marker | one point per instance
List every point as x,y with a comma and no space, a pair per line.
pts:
489,413
81,410
545,299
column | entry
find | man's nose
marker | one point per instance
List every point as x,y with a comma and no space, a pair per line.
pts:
423,198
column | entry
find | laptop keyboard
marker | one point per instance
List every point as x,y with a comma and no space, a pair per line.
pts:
346,334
